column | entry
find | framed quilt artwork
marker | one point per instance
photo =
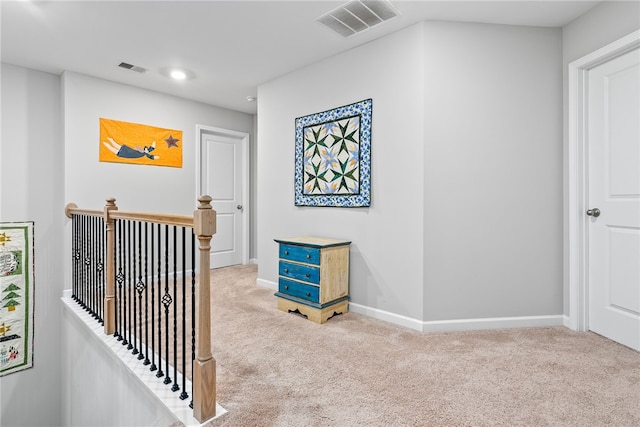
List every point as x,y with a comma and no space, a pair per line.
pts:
16,298
333,157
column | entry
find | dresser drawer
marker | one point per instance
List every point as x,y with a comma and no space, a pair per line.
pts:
300,290
300,254
305,273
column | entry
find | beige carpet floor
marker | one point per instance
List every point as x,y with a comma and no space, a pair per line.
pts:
279,369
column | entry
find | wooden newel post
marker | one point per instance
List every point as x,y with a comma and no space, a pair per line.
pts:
110,284
204,367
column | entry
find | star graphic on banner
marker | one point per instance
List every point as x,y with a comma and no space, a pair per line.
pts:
171,142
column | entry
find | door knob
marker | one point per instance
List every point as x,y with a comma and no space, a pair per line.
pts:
595,212
239,207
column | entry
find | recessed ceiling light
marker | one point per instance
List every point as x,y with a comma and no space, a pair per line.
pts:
178,75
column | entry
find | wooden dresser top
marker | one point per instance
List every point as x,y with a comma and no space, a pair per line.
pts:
319,242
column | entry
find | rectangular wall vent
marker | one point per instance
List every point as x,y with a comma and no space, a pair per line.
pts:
132,67
357,15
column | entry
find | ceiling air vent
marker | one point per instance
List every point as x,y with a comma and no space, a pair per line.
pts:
132,67
357,15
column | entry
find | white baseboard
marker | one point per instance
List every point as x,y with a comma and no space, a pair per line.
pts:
253,261
446,325
267,284
376,313
459,324
493,323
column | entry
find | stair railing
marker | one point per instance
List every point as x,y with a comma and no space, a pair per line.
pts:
120,263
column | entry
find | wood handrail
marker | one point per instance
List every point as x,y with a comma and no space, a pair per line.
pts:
73,209
171,219
157,218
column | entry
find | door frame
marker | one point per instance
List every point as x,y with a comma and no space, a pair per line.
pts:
578,175
244,142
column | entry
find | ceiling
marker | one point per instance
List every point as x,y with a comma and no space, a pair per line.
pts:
229,47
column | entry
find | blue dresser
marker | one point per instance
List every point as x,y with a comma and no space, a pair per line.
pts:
313,276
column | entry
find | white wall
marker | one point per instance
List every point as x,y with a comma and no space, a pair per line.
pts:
466,215
136,188
92,375
493,171
386,253
604,24
31,189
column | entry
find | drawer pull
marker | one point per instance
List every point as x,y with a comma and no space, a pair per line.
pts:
286,270
286,287
286,252
308,275
308,256
308,294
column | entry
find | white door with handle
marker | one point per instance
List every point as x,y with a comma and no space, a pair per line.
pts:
222,168
613,213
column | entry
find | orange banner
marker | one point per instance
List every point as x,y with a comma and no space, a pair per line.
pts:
124,142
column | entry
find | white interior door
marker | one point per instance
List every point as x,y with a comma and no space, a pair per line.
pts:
614,189
221,177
